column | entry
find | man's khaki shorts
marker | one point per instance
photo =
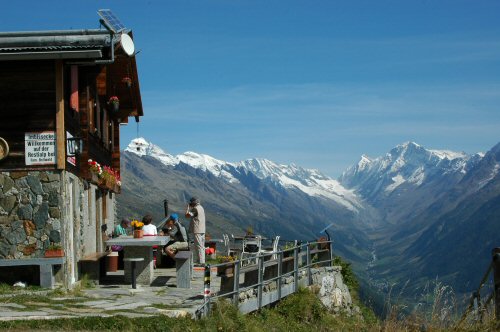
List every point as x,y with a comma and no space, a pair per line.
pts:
176,246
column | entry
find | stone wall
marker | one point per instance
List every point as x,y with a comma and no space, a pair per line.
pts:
38,208
30,212
333,293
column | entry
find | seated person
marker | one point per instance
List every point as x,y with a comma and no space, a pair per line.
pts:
178,236
120,229
148,228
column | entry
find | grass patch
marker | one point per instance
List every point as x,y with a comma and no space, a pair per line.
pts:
6,289
299,312
347,273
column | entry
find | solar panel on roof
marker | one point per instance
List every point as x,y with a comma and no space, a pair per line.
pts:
111,21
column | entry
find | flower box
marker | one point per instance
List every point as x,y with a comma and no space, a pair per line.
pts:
114,104
138,233
54,253
94,178
109,184
128,81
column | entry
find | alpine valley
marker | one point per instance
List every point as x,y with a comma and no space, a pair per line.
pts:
402,219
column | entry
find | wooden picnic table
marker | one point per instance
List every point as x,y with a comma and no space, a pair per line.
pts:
139,248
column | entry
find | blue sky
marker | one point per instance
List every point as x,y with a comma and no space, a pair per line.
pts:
316,83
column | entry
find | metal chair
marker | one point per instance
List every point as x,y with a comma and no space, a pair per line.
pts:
225,238
274,249
252,245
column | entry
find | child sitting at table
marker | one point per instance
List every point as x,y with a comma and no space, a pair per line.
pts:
148,228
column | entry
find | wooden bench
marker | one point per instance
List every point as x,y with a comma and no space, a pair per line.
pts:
46,265
183,268
93,265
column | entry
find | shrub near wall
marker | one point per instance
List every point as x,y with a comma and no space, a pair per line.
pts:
29,213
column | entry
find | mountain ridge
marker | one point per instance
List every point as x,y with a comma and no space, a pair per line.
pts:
310,181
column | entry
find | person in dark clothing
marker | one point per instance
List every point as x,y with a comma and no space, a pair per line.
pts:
178,236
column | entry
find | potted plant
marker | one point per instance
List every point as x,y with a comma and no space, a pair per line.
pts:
323,243
249,231
227,268
54,250
138,231
95,170
287,249
117,183
109,177
128,81
114,103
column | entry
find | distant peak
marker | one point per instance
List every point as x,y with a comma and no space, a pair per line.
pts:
138,146
139,140
410,143
363,162
365,158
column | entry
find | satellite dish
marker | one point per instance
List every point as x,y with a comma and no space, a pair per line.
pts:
127,44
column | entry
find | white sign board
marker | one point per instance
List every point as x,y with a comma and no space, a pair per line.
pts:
40,148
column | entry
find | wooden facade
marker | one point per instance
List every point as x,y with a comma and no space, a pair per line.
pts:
27,104
32,94
54,86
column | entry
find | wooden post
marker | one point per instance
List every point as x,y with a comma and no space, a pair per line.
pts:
280,272
296,268
308,263
260,279
60,132
206,291
496,280
236,286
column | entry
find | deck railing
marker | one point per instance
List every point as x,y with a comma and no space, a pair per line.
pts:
304,256
475,299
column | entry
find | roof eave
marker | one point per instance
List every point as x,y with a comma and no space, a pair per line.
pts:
87,54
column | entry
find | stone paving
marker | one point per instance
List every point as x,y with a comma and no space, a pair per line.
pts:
114,298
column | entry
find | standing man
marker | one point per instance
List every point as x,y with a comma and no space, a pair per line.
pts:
196,213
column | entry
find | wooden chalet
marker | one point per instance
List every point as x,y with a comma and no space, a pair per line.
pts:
58,93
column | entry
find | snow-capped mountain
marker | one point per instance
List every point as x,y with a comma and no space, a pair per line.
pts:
273,199
408,164
309,181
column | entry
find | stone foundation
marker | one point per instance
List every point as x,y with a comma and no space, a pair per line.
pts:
38,208
30,212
